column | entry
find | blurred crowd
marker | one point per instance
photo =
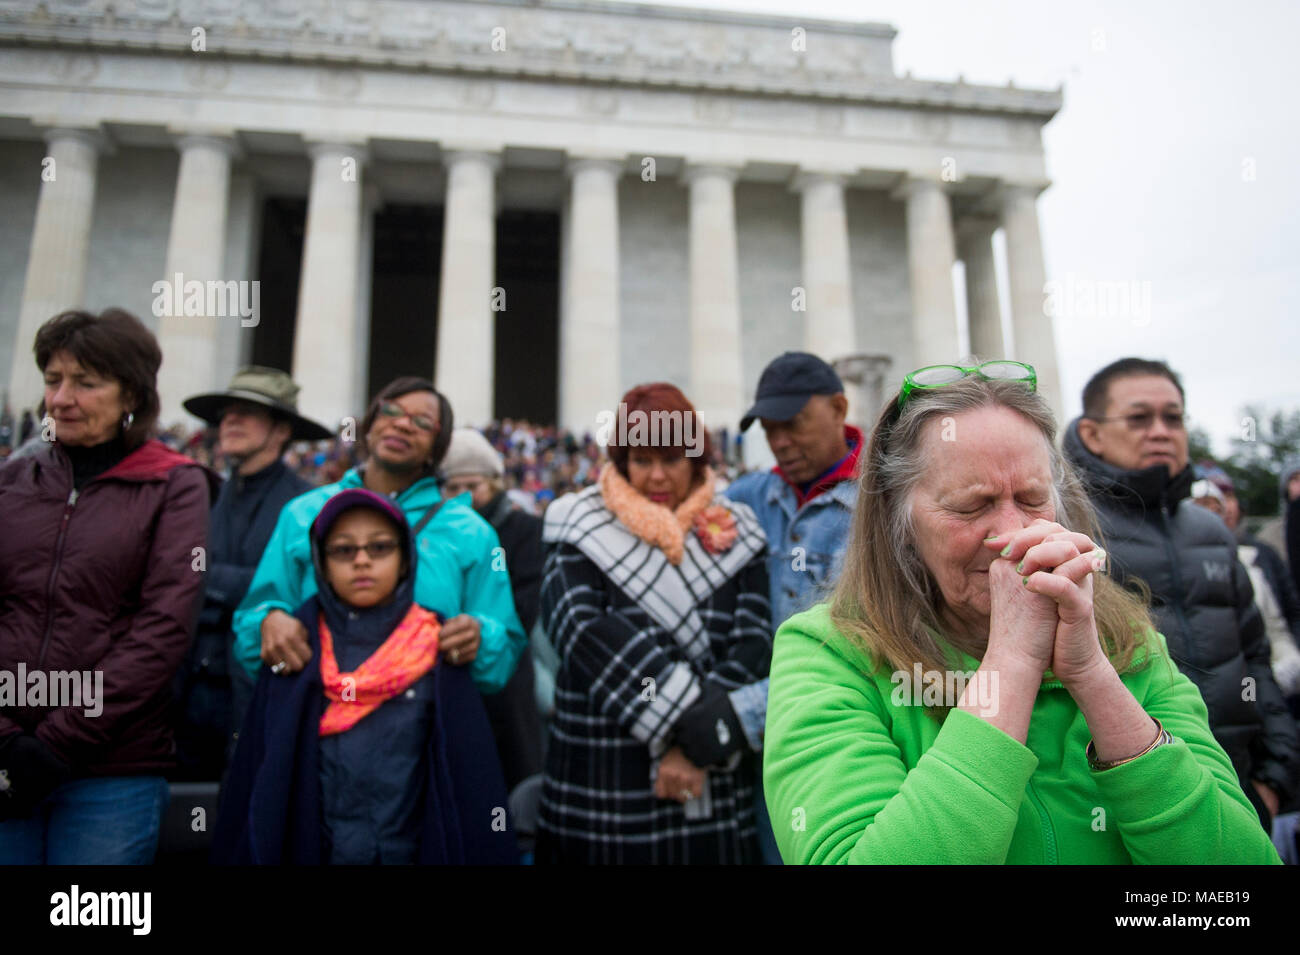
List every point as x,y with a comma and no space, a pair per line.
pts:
542,462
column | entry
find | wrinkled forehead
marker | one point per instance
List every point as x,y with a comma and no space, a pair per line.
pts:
988,448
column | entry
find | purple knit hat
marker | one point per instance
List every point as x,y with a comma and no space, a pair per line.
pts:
359,497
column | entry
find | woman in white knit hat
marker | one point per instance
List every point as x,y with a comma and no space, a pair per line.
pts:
472,466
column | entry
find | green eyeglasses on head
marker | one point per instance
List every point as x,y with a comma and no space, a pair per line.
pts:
938,376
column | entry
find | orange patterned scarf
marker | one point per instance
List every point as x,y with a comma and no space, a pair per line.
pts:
408,654
654,523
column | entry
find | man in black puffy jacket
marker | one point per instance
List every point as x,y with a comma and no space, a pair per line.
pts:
1131,449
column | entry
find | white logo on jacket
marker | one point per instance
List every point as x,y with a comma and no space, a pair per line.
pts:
1217,570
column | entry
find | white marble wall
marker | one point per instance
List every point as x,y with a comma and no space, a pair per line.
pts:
132,215
882,299
767,227
128,239
654,266
129,230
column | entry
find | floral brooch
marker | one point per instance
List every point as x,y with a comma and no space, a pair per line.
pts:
716,528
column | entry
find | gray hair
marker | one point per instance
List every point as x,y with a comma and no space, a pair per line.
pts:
886,601
897,460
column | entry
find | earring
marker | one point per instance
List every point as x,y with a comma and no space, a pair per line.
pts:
127,420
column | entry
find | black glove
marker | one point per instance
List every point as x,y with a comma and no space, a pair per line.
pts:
28,773
709,732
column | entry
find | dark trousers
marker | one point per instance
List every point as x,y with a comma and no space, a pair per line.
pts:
1265,817
516,724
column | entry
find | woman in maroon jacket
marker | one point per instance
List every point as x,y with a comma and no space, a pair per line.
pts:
101,576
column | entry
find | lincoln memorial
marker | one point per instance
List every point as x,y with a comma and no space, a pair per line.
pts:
538,204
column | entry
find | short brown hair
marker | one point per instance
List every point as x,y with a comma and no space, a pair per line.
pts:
115,344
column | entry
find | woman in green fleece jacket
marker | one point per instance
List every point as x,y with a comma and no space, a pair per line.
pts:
977,690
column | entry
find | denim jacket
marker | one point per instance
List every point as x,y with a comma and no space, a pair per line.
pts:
805,548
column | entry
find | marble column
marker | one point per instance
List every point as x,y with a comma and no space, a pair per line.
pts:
326,331
829,328
243,244
716,386
864,378
195,252
589,323
371,202
56,261
983,311
930,259
1035,339
466,360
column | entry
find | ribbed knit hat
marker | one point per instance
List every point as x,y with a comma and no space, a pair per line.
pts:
471,453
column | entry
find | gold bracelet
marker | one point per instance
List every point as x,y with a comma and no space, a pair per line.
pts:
1096,765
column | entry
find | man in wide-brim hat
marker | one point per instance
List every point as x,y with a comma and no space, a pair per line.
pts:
256,419
258,388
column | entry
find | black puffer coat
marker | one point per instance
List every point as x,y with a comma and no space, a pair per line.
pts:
1203,604
516,724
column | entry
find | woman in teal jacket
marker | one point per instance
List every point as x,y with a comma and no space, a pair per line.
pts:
462,572
977,690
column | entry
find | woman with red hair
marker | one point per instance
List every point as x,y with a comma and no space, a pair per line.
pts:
654,595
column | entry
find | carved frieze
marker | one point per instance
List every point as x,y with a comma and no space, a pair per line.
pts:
612,43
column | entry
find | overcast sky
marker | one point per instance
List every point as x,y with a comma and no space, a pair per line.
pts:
1175,164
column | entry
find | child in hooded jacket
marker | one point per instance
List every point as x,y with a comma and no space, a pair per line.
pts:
373,753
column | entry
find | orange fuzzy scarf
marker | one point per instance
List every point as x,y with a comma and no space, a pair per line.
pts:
654,523
408,654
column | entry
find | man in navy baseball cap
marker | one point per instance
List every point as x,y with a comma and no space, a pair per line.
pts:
804,504
786,385
802,406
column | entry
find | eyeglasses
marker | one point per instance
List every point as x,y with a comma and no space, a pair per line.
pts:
346,553
1143,420
938,376
390,409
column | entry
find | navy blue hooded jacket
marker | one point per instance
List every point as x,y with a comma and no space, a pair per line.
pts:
415,781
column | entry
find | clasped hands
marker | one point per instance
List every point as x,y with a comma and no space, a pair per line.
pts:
285,648
1041,596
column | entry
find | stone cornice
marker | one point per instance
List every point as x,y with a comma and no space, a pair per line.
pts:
92,136
566,40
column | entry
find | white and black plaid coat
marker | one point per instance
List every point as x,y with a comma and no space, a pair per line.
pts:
639,639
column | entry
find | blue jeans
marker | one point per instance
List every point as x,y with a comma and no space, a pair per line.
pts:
113,820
